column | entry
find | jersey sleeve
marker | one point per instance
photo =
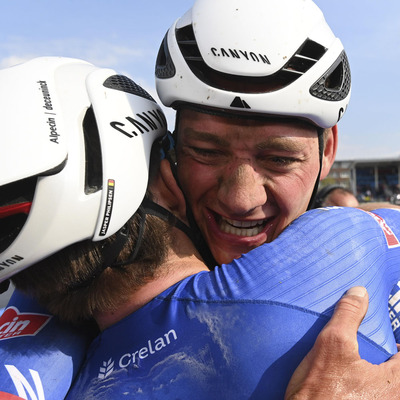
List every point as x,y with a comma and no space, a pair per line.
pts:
317,259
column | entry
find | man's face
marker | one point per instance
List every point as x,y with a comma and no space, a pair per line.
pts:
245,179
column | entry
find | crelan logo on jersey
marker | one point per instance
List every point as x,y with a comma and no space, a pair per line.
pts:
106,369
15,324
133,358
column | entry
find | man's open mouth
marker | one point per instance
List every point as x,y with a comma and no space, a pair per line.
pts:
242,228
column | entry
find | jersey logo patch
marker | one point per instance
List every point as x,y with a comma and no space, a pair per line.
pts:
106,369
15,324
391,238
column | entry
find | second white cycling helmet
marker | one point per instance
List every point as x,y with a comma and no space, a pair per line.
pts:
265,57
76,143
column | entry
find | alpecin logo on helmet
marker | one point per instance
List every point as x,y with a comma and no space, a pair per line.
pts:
240,54
15,324
48,104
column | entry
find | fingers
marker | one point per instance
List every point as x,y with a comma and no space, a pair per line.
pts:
333,368
347,317
351,308
334,356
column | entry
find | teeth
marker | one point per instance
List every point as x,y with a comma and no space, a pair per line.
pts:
242,228
244,224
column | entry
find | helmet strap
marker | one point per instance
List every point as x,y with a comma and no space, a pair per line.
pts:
192,231
321,156
122,238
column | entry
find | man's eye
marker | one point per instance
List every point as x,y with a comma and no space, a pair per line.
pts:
283,160
274,162
205,152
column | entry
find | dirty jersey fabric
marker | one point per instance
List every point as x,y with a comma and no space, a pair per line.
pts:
239,331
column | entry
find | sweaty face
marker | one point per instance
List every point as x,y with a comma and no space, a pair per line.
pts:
245,179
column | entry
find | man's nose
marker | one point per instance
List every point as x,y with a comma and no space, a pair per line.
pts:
241,189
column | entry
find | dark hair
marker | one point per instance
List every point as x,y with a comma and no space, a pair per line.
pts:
52,281
74,282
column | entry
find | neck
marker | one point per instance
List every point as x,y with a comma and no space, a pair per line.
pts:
182,261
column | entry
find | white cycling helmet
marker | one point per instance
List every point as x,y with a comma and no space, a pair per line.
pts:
76,142
267,57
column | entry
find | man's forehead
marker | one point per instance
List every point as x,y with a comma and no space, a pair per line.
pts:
260,142
221,130
188,117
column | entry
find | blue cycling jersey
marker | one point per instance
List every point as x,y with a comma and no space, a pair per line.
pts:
239,331
40,356
236,332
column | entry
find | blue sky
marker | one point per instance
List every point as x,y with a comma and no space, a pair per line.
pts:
125,35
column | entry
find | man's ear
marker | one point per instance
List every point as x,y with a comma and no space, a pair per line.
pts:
166,191
330,148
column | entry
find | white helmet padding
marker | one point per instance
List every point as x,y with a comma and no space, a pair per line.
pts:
268,57
76,143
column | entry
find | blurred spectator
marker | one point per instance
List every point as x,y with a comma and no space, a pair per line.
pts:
333,195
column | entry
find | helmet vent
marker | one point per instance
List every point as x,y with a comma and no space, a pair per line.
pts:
188,45
335,84
93,161
12,194
164,66
127,85
304,58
